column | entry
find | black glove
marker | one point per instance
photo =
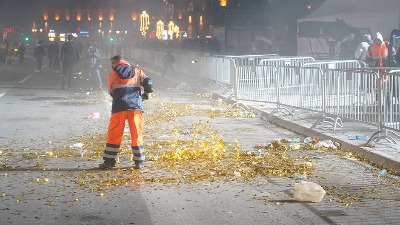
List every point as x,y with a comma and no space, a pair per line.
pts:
145,96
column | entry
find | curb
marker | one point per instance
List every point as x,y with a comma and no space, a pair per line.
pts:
375,158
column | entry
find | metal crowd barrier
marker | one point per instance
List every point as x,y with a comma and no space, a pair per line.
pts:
388,106
348,93
300,88
336,89
360,94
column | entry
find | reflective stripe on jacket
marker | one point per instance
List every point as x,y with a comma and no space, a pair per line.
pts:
124,85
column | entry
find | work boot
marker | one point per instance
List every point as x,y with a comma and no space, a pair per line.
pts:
107,164
138,164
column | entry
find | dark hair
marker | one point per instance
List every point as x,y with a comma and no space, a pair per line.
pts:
70,37
116,58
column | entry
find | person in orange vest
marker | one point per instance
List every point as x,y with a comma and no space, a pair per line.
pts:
377,52
125,84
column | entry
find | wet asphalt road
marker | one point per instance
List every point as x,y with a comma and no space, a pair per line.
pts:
38,120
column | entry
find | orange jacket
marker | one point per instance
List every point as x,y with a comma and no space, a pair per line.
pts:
124,85
378,51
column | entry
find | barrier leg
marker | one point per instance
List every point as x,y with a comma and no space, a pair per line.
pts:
377,137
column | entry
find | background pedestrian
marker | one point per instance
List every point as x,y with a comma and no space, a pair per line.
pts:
69,56
39,53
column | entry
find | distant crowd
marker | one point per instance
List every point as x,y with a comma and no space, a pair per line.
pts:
375,52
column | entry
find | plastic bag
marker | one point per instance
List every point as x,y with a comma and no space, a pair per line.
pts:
325,144
308,192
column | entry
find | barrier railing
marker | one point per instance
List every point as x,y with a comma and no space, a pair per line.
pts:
388,107
349,94
299,87
287,61
336,89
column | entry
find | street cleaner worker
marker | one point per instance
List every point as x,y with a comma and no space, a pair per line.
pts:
125,84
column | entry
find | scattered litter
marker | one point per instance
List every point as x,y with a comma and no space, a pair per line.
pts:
76,145
237,174
317,157
308,140
325,144
315,139
94,115
296,139
297,176
256,152
359,137
383,173
308,192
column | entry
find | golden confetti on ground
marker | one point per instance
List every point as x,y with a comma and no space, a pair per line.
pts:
181,152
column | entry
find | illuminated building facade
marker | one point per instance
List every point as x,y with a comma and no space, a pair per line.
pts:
114,19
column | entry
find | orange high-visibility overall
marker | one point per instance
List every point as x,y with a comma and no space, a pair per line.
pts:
124,84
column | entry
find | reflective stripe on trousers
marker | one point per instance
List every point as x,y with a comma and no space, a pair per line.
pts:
116,132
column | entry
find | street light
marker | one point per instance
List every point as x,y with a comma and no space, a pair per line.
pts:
144,22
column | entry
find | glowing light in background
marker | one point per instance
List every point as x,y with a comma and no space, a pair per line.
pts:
160,29
62,37
134,16
190,19
223,2
309,6
171,27
176,31
101,15
67,16
56,16
144,22
52,35
111,15
78,15
45,15
180,15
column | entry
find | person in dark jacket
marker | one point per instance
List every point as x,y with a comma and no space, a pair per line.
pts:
52,53
348,48
93,67
69,56
39,53
21,52
125,84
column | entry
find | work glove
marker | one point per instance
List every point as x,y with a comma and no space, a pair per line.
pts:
145,96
